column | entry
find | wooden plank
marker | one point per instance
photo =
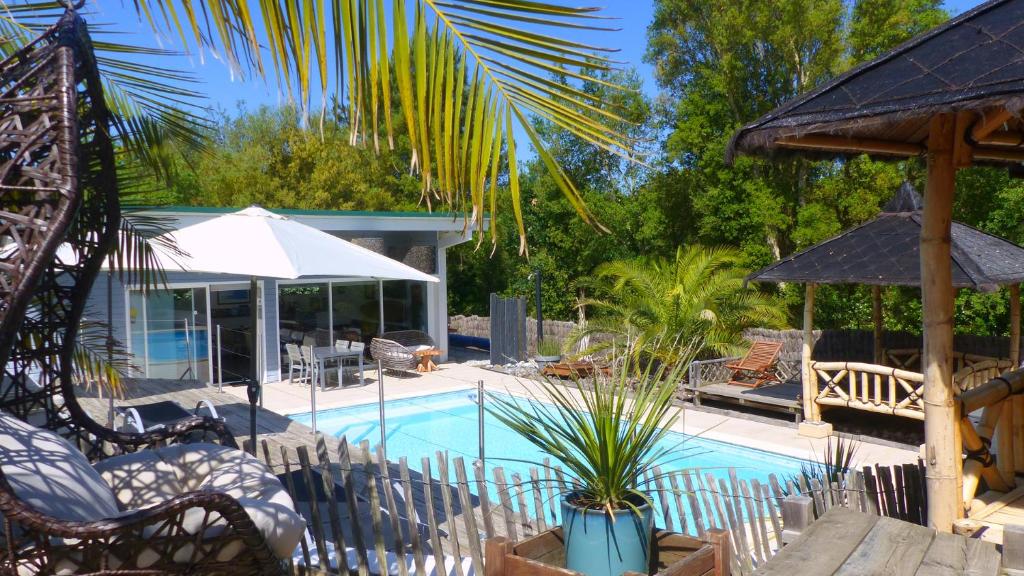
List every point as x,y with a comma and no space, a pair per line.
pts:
506,504
327,478
290,484
412,517
524,510
823,547
468,516
758,546
761,521
666,510
1004,500
549,486
743,551
485,498
678,497
706,499
449,511
983,559
871,493
348,482
375,520
821,505
314,508
429,506
946,556
891,548
389,499
773,513
724,518
538,500
496,549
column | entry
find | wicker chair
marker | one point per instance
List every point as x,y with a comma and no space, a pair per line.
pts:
58,185
396,350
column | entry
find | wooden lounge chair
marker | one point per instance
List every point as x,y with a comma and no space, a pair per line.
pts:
758,367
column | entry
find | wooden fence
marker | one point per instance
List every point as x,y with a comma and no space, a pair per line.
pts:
432,518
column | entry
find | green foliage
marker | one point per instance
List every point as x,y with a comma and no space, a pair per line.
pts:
606,438
693,305
549,347
267,157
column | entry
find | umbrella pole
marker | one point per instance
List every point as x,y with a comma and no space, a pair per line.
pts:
253,388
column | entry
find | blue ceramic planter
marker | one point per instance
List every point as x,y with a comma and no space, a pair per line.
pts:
597,545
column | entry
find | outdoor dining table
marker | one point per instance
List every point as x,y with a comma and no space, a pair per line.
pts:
323,353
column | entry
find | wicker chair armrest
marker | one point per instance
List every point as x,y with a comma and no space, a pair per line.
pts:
126,536
178,431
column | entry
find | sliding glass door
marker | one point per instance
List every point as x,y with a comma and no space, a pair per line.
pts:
169,333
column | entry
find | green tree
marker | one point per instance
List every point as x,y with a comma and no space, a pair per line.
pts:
722,65
692,305
267,157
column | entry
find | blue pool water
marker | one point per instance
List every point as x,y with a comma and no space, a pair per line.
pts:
170,345
421,426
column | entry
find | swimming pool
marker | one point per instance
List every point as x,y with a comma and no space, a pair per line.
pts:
419,427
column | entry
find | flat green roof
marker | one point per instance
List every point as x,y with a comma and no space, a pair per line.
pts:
300,212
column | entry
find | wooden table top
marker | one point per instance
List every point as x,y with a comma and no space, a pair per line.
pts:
854,543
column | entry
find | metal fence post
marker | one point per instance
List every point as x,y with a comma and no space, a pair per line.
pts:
480,417
220,365
380,391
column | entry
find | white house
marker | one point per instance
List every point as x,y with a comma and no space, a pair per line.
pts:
198,326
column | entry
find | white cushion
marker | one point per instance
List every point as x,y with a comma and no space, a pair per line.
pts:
154,476
421,348
50,475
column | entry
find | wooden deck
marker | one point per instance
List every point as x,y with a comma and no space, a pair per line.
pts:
854,543
781,397
995,510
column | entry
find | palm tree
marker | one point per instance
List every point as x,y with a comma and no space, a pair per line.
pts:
467,76
694,305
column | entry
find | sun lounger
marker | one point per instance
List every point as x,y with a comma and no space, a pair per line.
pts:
758,367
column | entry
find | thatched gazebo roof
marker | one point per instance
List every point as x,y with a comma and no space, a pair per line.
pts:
885,252
972,62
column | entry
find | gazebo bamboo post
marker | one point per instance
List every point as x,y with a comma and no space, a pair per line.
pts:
812,426
941,418
876,321
1015,405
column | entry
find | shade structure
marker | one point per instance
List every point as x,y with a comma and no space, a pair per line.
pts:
885,251
953,95
973,62
260,244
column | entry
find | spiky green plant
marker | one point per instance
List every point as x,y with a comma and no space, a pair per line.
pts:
837,459
607,439
549,347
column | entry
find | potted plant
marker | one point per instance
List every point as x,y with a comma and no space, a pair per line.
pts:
607,440
548,351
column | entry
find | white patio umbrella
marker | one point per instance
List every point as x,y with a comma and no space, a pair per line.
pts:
261,244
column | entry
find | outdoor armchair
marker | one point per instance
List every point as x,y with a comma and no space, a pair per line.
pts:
397,350
188,509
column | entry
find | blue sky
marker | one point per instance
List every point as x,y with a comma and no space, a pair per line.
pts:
225,92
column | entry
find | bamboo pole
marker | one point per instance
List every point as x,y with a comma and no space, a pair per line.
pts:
942,449
811,410
876,321
983,466
1015,406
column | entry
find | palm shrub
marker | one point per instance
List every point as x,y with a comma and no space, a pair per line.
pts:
673,310
606,439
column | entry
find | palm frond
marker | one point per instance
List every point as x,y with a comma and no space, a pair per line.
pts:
99,361
467,75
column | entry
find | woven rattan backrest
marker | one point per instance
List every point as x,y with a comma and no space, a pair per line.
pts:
57,185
